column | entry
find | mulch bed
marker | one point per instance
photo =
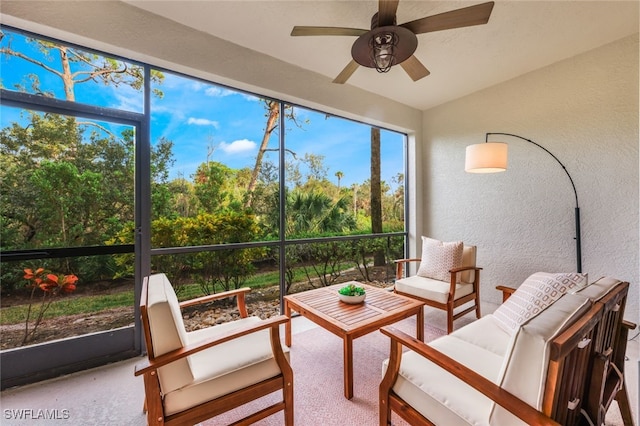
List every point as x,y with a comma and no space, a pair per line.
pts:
262,302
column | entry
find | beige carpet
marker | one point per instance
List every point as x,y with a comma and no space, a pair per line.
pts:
111,395
316,359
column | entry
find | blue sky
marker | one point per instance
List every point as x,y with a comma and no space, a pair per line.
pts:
205,120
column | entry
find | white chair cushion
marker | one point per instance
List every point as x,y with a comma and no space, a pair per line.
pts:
438,258
468,259
525,367
443,398
598,289
431,289
167,331
487,334
517,363
225,368
534,295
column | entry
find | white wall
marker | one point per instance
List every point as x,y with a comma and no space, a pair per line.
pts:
585,111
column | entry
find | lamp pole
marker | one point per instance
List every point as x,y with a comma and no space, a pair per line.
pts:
577,215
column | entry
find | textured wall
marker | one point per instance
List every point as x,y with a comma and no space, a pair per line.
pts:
585,111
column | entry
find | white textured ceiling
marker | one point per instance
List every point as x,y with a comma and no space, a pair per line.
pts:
520,36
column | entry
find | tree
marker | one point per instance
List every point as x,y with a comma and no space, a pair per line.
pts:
209,182
339,175
77,66
315,213
376,193
90,174
273,115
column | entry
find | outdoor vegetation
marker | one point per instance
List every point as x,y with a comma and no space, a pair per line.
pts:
67,181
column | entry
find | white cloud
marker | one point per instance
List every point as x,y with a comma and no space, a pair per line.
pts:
219,92
241,146
203,122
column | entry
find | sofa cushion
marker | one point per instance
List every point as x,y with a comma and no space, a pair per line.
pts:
468,259
431,289
167,331
527,359
534,295
438,258
443,398
598,289
227,367
487,334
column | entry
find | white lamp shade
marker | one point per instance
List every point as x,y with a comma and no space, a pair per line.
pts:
489,157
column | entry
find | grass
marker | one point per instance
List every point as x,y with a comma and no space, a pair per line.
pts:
67,306
92,304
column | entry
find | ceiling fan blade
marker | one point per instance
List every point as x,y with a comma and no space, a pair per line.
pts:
346,72
326,31
465,17
414,68
387,12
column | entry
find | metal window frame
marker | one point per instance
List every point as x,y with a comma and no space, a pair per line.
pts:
42,361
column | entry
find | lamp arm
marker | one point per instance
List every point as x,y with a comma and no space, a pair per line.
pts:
575,193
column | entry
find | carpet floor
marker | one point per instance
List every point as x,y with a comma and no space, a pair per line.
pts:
317,362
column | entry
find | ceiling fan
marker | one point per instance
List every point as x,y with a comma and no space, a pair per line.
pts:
387,44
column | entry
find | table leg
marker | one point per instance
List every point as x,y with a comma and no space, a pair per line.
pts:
348,367
420,324
287,325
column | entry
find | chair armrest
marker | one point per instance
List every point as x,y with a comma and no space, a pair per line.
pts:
628,325
400,266
506,292
150,365
505,399
240,293
464,268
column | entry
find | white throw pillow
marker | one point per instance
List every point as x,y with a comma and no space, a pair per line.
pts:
438,258
534,295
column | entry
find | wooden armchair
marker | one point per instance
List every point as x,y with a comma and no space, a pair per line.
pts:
475,375
462,287
192,376
606,382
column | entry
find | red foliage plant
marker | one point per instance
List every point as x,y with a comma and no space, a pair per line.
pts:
51,285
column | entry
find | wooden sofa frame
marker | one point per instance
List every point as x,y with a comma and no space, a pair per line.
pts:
581,378
153,405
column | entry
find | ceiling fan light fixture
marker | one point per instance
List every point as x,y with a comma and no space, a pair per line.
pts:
383,47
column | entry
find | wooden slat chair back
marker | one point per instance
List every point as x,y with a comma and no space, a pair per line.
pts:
606,383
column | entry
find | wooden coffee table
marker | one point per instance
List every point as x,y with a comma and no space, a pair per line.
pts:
349,322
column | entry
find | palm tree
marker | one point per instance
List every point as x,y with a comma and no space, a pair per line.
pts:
339,175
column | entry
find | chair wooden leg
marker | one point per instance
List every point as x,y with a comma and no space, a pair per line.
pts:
385,412
288,401
449,321
478,315
155,413
622,397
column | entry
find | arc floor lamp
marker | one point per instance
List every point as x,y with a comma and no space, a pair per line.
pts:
491,157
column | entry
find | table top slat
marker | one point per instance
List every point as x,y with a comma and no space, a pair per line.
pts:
380,307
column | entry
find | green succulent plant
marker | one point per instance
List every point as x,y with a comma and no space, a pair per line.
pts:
351,290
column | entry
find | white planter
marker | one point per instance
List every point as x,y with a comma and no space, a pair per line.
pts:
352,300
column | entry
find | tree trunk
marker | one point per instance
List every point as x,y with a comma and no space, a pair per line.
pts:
67,78
272,123
376,193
